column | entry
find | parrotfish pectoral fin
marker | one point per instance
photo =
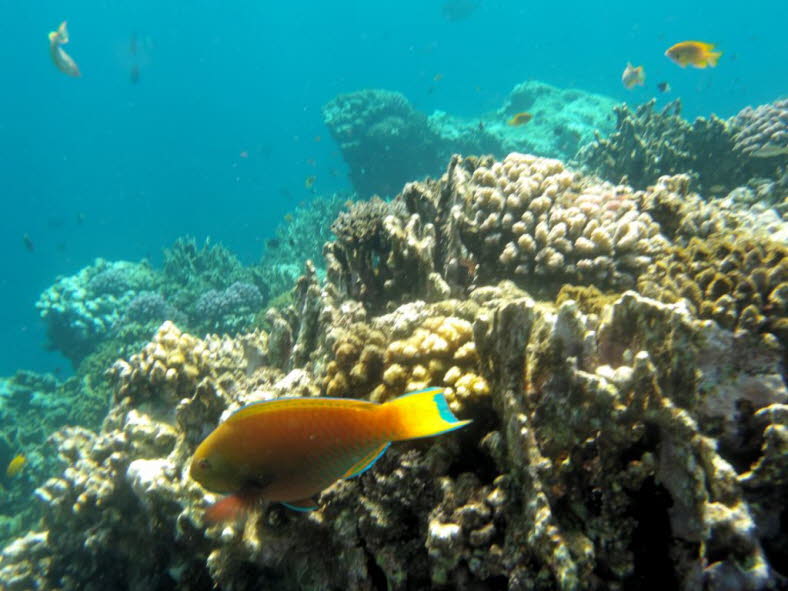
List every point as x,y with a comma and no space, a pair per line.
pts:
366,462
302,505
229,508
422,414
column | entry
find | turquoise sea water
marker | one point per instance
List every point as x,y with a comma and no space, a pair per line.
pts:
218,133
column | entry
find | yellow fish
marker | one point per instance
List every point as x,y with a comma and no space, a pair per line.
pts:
633,76
15,466
694,53
520,119
64,62
290,449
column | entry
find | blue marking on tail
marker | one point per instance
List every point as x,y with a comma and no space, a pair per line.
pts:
443,408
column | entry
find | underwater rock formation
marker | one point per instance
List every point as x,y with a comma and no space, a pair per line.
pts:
386,142
617,441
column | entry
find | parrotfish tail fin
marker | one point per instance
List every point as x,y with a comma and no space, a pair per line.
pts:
422,414
713,58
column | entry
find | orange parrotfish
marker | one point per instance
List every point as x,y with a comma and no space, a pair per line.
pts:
633,76
64,62
290,449
694,53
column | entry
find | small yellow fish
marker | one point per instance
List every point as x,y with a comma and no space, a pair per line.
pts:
309,182
633,76
520,119
288,450
694,53
62,60
15,466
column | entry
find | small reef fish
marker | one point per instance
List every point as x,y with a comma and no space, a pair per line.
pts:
694,53
520,119
290,449
663,87
62,60
633,76
309,182
15,466
28,242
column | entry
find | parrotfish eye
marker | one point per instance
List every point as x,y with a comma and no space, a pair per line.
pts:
203,464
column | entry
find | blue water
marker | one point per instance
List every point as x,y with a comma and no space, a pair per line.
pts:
99,166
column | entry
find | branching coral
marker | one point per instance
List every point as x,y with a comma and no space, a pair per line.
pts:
648,144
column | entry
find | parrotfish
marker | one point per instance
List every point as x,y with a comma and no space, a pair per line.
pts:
694,53
290,449
63,61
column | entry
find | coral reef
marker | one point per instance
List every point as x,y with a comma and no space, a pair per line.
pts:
80,311
527,219
618,441
736,281
387,143
229,310
720,156
298,238
591,462
384,140
763,131
648,144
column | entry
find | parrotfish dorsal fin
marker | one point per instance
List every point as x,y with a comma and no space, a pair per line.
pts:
366,462
302,505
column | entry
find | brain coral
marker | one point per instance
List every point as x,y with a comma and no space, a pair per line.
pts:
763,131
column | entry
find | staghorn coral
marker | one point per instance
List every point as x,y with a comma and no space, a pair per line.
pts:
648,144
739,282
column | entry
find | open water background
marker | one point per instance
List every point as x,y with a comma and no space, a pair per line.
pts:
99,166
